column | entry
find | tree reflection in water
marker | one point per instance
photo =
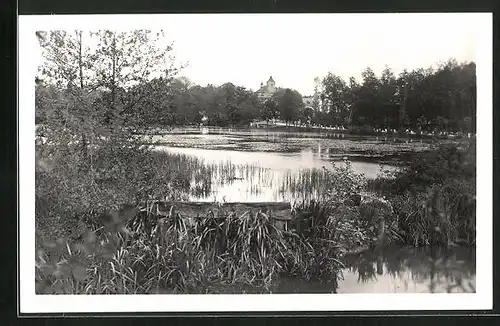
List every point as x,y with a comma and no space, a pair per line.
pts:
441,269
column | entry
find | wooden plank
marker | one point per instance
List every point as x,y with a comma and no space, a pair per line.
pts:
280,212
237,207
279,205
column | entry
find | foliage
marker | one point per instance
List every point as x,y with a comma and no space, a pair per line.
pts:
442,215
335,99
90,161
178,254
455,161
434,196
422,100
289,104
113,82
89,100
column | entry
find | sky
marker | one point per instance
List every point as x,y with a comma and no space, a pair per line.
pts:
295,48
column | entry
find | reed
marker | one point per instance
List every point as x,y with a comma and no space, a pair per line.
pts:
177,254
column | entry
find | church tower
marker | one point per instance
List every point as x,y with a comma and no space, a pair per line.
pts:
266,91
271,85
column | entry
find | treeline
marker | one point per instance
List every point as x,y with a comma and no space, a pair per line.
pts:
165,102
184,103
112,84
443,99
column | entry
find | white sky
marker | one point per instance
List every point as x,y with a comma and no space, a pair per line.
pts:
247,49
296,48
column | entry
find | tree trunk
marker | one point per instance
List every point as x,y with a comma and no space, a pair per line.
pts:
80,66
402,110
113,93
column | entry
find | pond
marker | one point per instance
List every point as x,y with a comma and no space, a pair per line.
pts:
393,270
410,270
274,166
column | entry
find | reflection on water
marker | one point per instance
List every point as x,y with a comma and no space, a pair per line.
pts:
410,270
239,176
395,270
262,166
265,165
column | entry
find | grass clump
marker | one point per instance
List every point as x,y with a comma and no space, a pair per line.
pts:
434,196
177,254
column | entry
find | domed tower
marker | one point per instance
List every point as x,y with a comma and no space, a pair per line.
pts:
271,85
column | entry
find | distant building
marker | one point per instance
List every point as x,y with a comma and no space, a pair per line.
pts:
308,101
266,91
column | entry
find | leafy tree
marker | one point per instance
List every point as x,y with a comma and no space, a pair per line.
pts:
93,99
367,100
352,99
388,100
268,109
290,104
316,97
308,114
335,99
423,99
127,61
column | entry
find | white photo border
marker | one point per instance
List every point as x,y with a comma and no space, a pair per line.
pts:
32,303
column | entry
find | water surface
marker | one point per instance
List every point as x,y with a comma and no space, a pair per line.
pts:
271,166
395,270
410,270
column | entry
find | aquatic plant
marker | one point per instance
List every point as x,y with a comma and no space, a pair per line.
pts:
434,197
181,254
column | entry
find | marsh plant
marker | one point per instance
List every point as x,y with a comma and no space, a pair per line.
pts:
434,196
138,249
177,254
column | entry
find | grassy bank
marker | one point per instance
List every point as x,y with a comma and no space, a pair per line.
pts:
434,196
171,255
105,247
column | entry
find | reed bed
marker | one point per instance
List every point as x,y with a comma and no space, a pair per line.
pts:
179,254
220,251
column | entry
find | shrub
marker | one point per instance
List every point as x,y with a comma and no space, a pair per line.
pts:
444,162
442,215
434,195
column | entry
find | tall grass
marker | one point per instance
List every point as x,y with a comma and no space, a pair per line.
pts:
434,196
154,253
177,254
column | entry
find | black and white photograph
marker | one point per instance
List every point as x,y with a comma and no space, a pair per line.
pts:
233,162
